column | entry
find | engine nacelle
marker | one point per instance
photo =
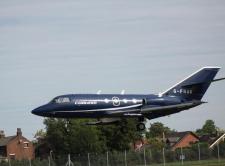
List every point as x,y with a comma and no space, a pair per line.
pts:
161,101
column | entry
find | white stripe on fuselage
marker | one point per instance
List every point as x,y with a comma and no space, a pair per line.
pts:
104,109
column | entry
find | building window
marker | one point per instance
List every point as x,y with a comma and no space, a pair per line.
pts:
26,144
3,151
12,156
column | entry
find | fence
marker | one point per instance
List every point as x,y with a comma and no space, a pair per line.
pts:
197,155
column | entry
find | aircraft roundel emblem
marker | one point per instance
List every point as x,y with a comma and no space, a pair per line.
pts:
116,101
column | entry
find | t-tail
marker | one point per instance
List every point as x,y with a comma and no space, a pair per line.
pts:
194,86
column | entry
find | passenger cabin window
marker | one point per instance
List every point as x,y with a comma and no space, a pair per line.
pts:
61,100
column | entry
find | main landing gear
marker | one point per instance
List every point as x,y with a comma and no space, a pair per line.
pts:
140,126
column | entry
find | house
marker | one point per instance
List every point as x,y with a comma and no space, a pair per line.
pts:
181,139
15,147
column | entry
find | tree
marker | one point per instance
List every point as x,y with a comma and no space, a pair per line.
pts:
42,147
156,130
40,134
118,140
209,128
71,136
84,139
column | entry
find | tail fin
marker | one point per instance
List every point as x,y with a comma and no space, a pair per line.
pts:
194,86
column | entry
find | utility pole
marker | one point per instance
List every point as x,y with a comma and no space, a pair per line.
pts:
89,163
218,151
9,162
164,160
29,162
107,158
49,158
125,157
199,153
49,161
144,157
182,156
69,162
150,154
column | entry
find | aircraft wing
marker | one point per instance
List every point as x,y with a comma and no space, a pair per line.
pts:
123,110
176,106
156,111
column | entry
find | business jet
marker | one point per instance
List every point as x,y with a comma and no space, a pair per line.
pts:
112,108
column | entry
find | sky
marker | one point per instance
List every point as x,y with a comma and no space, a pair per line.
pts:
54,47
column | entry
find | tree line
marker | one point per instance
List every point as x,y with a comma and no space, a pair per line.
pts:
63,136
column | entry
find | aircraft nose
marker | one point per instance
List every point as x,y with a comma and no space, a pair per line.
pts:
38,111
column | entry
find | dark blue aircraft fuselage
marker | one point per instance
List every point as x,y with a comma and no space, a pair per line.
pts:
90,105
104,105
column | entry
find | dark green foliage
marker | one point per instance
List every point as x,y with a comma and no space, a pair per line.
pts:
156,130
170,155
156,143
118,140
221,150
65,137
73,137
205,152
157,155
209,128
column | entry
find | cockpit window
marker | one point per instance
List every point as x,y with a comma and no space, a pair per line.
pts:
61,100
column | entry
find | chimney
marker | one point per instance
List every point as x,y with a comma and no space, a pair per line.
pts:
19,132
2,134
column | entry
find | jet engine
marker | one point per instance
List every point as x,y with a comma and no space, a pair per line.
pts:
162,101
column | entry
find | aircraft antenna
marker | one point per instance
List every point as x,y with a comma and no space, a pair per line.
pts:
99,92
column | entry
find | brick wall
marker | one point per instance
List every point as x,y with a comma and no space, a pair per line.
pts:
20,148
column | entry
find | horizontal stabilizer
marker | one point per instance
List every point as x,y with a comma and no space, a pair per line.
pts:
219,79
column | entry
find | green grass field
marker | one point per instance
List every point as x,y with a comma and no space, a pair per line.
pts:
194,163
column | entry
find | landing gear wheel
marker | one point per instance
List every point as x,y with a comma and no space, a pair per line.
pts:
140,126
